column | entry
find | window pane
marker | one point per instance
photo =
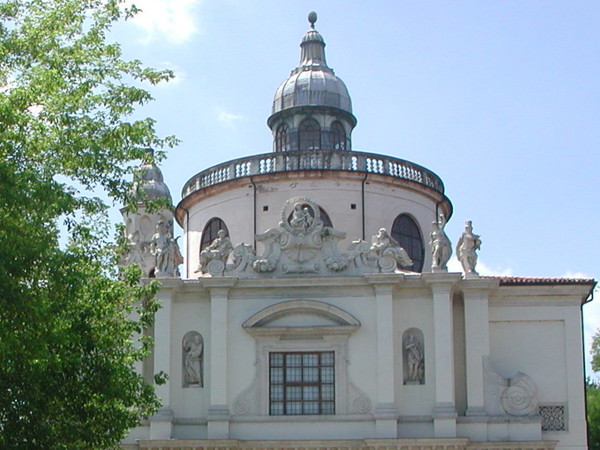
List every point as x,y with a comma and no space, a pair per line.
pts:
327,392
293,359
327,408
293,375
327,359
276,359
327,375
276,409
310,375
277,392
276,376
293,393
311,408
310,392
293,408
310,360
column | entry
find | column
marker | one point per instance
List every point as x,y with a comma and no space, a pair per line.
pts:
477,340
386,414
444,413
218,411
161,423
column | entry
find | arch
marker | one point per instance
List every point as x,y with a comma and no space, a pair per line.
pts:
331,312
407,233
309,135
282,139
337,136
210,231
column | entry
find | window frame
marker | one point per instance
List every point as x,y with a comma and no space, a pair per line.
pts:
396,233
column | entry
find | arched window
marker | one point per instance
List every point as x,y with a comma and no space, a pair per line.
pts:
406,231
210,231
309,135
337,135
282,143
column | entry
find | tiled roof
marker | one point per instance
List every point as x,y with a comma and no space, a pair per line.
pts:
543,281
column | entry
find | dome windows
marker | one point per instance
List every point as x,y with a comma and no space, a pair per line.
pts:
309,135
337,136
406,232
282,138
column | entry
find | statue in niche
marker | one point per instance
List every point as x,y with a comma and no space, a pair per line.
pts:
466,249
166,251
415,361
441,249
193,360
383,245
219,250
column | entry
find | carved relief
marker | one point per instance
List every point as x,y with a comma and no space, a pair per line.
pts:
516,396
413,356
303,244
193,359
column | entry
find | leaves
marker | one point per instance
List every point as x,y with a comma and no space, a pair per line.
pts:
67,351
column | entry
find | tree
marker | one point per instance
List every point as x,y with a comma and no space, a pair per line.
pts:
592,392
67,355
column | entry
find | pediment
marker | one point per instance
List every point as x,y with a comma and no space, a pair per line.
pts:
301,317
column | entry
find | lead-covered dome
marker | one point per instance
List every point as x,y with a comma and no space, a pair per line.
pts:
312,82
150,184
312,109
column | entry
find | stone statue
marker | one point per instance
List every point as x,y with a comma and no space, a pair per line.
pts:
219,250
193,360
135,250
466,249
441,249
301,218
385,246
414,359
166,252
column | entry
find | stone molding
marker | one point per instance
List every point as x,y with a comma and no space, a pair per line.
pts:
366,444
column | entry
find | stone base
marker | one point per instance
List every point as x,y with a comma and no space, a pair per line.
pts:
362,444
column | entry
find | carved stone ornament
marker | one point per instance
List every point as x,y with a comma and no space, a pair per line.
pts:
516,396
214,257
302,244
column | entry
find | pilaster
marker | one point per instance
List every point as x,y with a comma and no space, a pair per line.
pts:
218,411
161,423
386,414
477,339
444,414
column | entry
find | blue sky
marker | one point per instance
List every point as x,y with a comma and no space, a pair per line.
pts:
499,98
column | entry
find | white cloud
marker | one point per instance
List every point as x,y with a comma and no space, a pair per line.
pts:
172,20
227,118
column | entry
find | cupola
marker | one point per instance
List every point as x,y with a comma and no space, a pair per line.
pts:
150,184
312,109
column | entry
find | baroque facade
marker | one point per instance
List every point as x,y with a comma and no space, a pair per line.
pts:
316,309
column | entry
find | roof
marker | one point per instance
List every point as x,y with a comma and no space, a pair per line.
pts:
543,281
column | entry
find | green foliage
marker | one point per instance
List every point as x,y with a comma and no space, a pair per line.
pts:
66,349
593,414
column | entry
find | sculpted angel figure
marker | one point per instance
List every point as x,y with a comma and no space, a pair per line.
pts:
467,247
441,249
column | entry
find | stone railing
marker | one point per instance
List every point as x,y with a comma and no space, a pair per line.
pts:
342,160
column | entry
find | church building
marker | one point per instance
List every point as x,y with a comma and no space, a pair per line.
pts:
310,305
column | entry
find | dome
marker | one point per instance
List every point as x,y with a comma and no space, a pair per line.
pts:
312,87
312,83
150,184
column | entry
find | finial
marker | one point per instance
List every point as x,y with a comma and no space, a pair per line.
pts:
312,18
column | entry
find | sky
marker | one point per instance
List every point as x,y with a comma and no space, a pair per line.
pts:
500,98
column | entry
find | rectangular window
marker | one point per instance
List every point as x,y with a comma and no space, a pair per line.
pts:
301,383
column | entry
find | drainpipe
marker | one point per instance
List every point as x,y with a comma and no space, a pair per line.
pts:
363,204
589,298
254,195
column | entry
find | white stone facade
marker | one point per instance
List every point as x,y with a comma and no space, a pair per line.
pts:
292,332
